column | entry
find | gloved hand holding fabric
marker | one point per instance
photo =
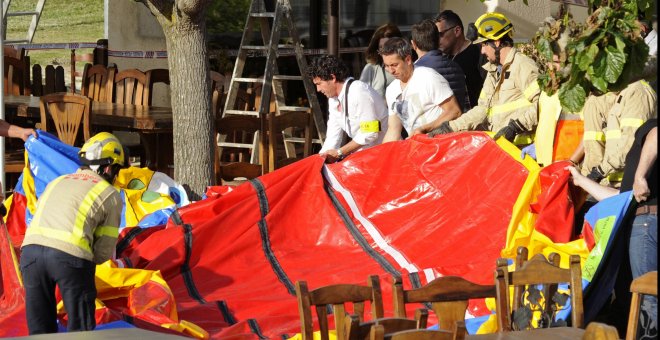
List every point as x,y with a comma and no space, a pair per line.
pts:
529,150
510,131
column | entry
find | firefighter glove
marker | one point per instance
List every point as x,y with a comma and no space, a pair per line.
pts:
510,131
441,130
596,174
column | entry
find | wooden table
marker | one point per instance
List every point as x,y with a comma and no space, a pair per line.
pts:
154,124
558,333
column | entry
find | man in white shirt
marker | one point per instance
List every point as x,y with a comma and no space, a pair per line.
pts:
353,106
419,99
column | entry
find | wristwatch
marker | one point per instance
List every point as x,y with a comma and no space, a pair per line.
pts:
340,154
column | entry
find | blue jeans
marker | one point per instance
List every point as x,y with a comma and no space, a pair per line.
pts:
644,258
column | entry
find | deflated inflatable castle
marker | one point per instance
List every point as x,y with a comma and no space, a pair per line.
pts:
226,266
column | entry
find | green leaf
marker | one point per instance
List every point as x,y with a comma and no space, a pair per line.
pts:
599,83
572,98
587,57
620,44
544,48
615,60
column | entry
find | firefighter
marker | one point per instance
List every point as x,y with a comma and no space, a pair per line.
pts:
508,100
610,122
75,227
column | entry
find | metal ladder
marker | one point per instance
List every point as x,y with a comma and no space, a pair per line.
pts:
270,24
36,15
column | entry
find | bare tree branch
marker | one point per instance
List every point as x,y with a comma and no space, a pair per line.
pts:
191,8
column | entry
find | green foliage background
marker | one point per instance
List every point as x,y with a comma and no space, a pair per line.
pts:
604,54
227,16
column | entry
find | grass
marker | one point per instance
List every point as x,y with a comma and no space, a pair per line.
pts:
61,21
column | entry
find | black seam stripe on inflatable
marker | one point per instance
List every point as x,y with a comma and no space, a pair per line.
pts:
226,314
130,236
380,259
254,327
185,267
414,280
176,218
265,240
127,262
261,196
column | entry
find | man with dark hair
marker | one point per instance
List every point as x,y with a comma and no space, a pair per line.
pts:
452,42
425,43
508,101
419,98
353,106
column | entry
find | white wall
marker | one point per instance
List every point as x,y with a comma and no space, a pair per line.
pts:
526,19
131,27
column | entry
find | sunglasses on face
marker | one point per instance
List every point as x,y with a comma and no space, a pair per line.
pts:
442,33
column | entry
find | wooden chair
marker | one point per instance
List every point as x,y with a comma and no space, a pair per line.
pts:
18,53
155,76
458,332
600,331
356,330
218,93
129,87
87,58
336,295
67,112
528,298
646,284
448,296
239,134
276,125
97,81
237,172
54,80
17,76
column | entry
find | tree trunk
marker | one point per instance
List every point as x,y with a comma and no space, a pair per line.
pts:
184,26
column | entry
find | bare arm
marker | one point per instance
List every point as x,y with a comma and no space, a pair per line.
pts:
450,111
599,192
394,127
647,158
13,131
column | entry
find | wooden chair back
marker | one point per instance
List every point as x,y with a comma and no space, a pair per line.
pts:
97,82
218,93
301,121
527,296
17,76
458,332
337,296
448,296
646,284
68,112
155,76
18,53
600,331
76,59
356,330
237,171
54,80
129,87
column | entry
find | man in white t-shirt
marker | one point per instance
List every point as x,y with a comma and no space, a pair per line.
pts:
353,106
419,99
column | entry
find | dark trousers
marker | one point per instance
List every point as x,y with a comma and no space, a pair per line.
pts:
43,268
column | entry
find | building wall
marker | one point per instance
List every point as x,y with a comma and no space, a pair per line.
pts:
526,19
130,26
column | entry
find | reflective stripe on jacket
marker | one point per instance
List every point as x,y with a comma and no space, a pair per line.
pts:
511,95
610,122
78,214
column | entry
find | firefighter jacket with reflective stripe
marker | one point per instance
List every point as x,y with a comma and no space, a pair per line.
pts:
511,93
610,122
78,214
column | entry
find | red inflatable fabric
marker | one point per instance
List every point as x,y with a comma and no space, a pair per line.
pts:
419,208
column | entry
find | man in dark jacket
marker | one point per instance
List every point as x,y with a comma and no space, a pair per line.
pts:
425,43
